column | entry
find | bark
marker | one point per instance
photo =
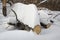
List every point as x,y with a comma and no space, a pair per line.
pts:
4,10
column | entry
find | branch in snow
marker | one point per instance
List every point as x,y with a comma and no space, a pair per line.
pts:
15,15
19,25
41,2
56,15
10,2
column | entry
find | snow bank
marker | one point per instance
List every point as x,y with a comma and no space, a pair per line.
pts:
27,14
53,33
17,35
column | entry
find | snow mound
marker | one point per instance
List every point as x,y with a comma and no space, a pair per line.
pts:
44,17
28,14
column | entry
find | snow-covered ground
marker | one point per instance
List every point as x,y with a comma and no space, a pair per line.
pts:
52,33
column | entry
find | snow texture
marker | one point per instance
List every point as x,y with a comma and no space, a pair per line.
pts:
27,14
52,33
44,16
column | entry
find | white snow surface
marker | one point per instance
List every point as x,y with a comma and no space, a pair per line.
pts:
52,33
28,14
44,17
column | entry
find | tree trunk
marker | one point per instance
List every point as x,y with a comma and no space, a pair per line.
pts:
4,7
